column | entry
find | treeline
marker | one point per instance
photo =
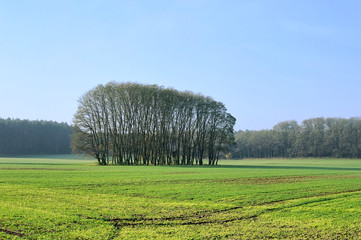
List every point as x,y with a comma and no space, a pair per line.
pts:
316,137
136,124
34,137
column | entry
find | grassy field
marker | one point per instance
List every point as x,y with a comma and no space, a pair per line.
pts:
244,199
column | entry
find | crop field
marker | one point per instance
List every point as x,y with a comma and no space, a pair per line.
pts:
44,198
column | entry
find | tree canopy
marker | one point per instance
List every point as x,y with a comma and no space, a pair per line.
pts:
130,123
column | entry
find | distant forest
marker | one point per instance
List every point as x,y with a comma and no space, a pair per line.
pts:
316,137
34,137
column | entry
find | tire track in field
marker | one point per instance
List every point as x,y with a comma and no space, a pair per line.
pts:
215,217
11,232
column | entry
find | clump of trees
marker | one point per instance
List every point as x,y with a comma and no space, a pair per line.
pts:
129,123
316,137
34,137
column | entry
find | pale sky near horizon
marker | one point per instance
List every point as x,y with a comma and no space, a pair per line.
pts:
267,60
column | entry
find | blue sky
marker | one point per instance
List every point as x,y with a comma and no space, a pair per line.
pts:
266,60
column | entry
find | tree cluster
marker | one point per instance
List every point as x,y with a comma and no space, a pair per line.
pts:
316,137
129,123
34,137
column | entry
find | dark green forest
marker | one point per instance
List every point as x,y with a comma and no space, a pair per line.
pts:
34,137
316,137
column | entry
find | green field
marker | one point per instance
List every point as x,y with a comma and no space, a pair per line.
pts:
244,199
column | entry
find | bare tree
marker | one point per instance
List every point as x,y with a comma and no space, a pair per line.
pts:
136,124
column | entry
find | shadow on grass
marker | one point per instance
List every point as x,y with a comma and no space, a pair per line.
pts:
31,164
203,166
283,167
265,167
